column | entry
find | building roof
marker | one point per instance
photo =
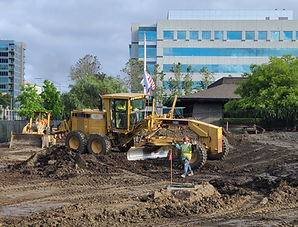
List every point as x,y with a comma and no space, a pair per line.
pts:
221,90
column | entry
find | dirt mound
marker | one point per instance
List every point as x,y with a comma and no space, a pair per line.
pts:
184,131
60,162
169,204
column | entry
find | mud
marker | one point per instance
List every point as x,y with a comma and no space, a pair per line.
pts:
255,186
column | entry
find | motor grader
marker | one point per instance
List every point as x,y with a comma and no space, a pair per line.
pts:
123,121
36,133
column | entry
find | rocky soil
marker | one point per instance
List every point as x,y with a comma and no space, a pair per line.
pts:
255,186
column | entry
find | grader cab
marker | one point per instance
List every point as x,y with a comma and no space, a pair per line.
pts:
123,121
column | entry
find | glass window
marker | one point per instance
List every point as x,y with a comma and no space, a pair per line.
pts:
119,113
150,36
181,35
287,35
229,51
193,35
218,35
168,35
150,51
262,35
234,35
137,112
249,35
211,68
274,35
206,35
296,35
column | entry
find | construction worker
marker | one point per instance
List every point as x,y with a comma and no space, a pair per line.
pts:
186,150
121,115
122,106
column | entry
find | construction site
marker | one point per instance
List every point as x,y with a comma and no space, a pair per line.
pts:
255,185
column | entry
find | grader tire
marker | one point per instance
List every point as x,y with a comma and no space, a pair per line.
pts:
225,150
199,156
99,144
76,140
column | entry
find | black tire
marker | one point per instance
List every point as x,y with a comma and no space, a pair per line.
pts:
198,157
99,144
76,140
127,147
225,150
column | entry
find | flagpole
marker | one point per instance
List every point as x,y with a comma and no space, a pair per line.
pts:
145,56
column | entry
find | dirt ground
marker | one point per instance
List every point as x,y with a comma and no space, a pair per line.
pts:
255,186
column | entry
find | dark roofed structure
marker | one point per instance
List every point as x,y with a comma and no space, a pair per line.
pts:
207,105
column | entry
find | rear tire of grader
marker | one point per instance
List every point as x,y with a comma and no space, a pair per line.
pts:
99,144
225,150
199,156
76,140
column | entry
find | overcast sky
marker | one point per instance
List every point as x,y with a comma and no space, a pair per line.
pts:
59,32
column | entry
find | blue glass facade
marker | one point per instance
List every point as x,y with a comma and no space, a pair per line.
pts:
206,35
193,35
181,35
288,35
168,35
211,68
244,52
11,66
249,35
150,51
262,35
234,35
218,35
274,36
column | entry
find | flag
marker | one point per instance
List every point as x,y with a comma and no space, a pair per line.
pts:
149,84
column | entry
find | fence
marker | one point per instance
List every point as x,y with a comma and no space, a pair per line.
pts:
16,126
8,114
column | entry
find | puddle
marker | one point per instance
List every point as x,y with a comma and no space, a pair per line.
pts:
26,209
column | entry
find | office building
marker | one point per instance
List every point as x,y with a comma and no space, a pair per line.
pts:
12,59
226,42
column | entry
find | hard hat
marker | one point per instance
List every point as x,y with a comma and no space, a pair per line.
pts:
186,138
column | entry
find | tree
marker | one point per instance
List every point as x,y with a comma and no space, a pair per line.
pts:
187,81
30,101
5,100
158,78
88,65
207,77
272,87
52,100
175,82
85,92
134,69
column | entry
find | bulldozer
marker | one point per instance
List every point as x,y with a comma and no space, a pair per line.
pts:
36,133
124,121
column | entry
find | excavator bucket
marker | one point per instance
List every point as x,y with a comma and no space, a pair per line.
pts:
148,152
27,140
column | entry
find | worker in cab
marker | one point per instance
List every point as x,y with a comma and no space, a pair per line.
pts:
186,151
122,106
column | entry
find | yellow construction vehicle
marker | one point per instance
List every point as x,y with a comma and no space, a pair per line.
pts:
123,121
36,133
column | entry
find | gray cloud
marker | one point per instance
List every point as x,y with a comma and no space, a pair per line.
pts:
58,33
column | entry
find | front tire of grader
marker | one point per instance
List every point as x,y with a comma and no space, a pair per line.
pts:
99,144
76,140
198,157
225,150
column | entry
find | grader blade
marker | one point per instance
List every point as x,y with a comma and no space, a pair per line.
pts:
151,152
26,140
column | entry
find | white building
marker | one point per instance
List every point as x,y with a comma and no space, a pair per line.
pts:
226,42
